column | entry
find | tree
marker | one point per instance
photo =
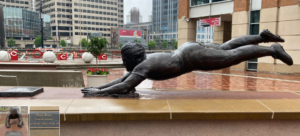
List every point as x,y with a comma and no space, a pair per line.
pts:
38,41
157,41
173,43
120,45
164,44
11,42
84,42
50,38
63,43
137,41
151,44
97,47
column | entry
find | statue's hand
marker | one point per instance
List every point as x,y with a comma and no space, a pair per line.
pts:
88,91
8,126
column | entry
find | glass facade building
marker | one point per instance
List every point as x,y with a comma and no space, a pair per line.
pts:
24,24
164,19
204,34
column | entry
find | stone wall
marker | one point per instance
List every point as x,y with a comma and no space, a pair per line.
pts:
43,78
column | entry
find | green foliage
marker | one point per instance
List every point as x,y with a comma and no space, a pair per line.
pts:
151,44
97,47
164,44
63,43
137,41
84,42
175,45
157,41
11,42
38,41
50,38
120,45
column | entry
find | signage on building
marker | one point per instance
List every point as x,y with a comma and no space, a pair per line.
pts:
130,33
102,57
210,22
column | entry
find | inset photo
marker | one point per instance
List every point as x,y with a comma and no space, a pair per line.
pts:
14,121
44,121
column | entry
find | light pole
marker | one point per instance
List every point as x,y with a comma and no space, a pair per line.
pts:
41,16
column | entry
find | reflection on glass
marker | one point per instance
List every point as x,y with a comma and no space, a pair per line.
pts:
24,23
199,2
255,16
252,66
254,29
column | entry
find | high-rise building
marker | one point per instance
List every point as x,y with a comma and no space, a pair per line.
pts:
150,18
165,19
32,5
16,3
134,16
74,19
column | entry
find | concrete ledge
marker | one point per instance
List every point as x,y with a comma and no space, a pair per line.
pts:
161,109
44,78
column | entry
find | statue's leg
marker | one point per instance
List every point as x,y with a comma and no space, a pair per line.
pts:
264,36
218,59
7,124
20,120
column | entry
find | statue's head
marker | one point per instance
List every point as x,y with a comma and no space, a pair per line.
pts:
132,55
14,110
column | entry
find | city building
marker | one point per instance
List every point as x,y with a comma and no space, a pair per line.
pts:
145,26
204,34
16,3
150,18
32,5
164,19
134,16
246,17
73,20
24,25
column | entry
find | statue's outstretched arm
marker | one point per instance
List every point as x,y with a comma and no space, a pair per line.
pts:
20,120
113,82
7,125
121,88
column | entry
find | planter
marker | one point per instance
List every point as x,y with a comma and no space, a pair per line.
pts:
96,80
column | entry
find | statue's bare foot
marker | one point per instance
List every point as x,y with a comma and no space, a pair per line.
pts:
269,37
281,54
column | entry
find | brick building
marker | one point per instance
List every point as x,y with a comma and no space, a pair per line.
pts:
246,17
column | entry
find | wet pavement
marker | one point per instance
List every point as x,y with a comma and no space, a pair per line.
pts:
221,84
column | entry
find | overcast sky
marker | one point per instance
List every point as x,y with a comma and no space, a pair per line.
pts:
145,7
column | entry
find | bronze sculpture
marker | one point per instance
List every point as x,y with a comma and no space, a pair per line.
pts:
190,56
14,114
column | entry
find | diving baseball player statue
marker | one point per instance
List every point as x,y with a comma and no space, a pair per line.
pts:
14,114
188,57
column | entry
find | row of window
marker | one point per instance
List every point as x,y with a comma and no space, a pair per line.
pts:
16,1
16,6
82,33
64,4
92,28
95,6
95,12
95,17
94,23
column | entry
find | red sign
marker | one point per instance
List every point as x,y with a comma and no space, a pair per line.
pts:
130,33
210,22
102,57
35,56
62,57
13,55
